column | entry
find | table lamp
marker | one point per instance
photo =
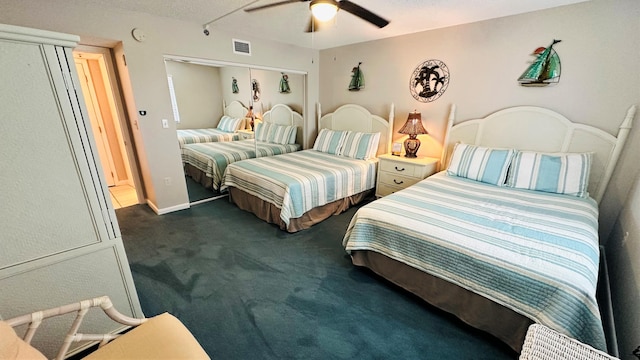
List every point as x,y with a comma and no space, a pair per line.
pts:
413,127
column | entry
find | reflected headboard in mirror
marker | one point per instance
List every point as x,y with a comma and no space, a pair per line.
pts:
235,109
282,114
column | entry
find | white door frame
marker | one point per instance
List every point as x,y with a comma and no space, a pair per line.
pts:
114,97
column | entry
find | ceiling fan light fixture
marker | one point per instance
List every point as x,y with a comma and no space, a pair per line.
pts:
323,10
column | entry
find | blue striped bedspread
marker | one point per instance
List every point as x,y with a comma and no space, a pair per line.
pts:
300,181
533,252
192,136
214,157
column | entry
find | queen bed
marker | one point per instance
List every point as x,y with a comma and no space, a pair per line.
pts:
492,239
226,130
280,132
297,190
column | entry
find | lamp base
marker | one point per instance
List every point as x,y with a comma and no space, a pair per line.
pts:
411,146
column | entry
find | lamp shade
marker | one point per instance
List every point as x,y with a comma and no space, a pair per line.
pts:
323,10
413,126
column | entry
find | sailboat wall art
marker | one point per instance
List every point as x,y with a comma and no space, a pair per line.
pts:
357,79
545,70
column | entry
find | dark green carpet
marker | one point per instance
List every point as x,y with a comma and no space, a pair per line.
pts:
248,290
198,192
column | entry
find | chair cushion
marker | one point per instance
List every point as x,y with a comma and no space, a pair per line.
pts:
160,337
13,347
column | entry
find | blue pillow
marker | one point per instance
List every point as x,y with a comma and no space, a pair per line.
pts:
360,145
556,173
262,131
229,124
330,141
282,134
480,163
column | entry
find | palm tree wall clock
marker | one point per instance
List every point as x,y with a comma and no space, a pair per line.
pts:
429,80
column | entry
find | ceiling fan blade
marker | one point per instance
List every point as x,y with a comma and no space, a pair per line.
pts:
362,13
273,4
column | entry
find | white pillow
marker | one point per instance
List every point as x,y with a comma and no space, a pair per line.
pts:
479,163
561,173
359,145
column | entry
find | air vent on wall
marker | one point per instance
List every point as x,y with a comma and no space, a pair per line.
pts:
241,47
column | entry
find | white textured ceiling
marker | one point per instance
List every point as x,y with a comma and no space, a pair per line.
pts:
286,23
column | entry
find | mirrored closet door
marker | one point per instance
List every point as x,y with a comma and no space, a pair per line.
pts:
201,89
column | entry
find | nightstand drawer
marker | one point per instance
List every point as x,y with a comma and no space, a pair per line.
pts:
397,180
384,189
400,168
245,134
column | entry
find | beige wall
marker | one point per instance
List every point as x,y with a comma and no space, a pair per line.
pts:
600,52
243,75
157,147
198,94
269,85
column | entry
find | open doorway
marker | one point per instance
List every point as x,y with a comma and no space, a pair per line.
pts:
104,106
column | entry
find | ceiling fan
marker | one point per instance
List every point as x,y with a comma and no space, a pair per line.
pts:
324,10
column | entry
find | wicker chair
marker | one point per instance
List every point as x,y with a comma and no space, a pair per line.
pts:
542,343
159,337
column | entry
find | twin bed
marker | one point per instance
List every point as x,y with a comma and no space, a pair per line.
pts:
230,123
504,251
297,190
206,162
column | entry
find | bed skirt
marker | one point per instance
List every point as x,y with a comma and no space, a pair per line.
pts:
271,214
475,310
199,176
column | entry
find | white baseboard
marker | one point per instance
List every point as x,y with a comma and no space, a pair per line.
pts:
167,210
209,199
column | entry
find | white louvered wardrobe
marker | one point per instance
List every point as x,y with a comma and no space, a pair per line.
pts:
60,241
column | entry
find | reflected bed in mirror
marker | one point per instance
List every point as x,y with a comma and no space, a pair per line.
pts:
201,86
227,128
280,132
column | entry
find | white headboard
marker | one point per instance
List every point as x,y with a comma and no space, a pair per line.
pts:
235,109
283,115
539,129
356,118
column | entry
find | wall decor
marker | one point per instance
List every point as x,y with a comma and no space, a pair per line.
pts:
545,69
429,80
255,88
357,78
234,85
284,84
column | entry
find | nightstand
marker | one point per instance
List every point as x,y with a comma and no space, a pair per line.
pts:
245,134
397,172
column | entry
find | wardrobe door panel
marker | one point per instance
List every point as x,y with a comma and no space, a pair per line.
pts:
47,208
